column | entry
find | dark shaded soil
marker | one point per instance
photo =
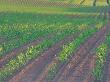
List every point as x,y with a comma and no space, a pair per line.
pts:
90,66
79,73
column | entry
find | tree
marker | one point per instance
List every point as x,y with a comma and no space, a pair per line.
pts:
94,2
108,2
82,2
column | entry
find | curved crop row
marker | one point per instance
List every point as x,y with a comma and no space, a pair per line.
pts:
18,34
32,52
68,50
101,54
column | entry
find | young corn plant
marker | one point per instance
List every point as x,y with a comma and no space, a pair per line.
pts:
101,53
23,58
71,47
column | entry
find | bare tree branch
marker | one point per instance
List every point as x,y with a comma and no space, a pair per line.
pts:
94,2
82,2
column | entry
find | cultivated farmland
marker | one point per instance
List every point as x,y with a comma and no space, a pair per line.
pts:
54,43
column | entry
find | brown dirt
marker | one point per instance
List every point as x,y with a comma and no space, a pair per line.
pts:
16,51
80,71
32,70
91,65
42,76
80,54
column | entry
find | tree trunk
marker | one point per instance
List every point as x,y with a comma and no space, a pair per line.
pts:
82,2
94,3
108,2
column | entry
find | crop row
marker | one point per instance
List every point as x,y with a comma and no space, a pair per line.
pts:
31,53
34,51
17,35
101,52
68,49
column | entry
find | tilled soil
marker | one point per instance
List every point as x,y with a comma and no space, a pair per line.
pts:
78,74
80,54
16,51
30,72
42,76
78,66
82,72
90,66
